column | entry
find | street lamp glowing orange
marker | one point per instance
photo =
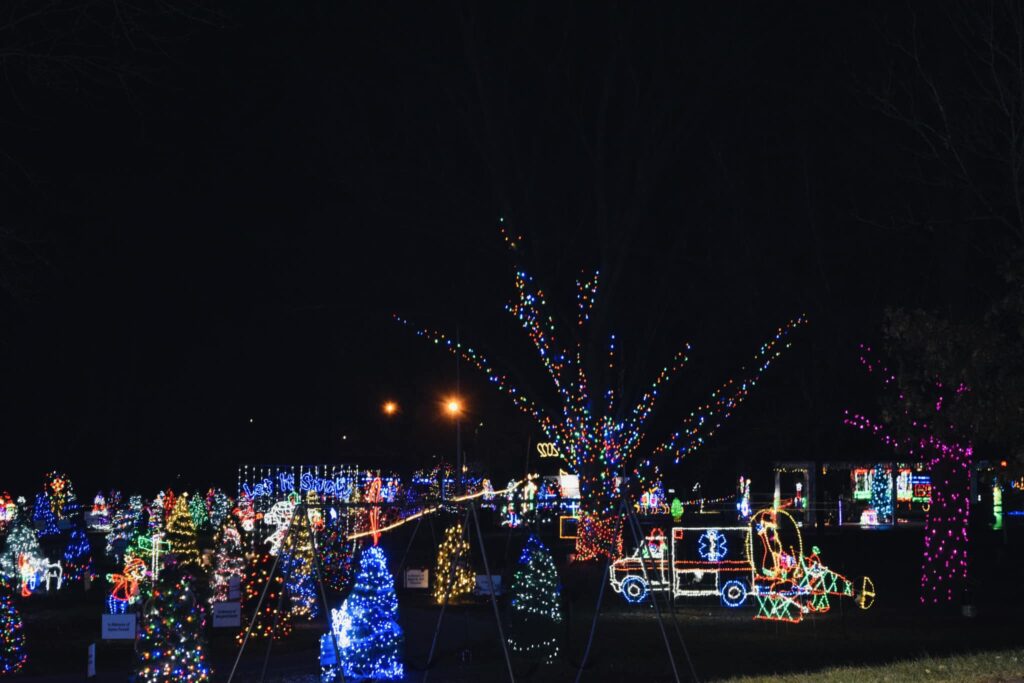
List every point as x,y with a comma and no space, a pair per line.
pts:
390,407
453,406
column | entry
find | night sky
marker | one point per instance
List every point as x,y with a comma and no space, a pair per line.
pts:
209,219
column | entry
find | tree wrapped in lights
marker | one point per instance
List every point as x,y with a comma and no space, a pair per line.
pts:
366,628
21,541
61,494
43,518
156,514
944,560
229,562
453,575
337,553
676,510
881,494
273,618
181,532
297,567
12,634
171,647
77,555
219,505
198,512
600,435
127,522
536,614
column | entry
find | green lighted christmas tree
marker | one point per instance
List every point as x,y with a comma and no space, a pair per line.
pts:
171,647
676,510
197,509
181,532
535,611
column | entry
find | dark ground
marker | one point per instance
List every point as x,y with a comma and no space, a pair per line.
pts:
721,642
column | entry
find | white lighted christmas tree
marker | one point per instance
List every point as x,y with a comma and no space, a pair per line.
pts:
535,612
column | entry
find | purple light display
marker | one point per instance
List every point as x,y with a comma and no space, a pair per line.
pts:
944,557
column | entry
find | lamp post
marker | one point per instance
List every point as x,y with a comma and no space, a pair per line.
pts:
453,406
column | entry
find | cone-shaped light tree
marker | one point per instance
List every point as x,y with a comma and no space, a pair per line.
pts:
12,634
337,554
77,554
171,647
453,575
126,522
536,614
43,518
199,512
881,493
366,628
298,568
229,562
21,540
181,532
598,433
274,616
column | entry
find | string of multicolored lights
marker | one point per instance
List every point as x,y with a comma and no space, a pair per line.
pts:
602,447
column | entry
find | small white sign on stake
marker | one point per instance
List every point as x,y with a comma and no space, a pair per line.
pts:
485,584
235,587
417,578
118,627
90,666
227,614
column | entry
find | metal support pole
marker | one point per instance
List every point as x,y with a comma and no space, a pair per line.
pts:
654,602
440,616
671,605
327,610
252,622
494,600
593,623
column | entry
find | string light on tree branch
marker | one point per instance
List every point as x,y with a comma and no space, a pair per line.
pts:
601,440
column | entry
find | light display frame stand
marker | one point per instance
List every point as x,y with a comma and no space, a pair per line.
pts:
301,508
471,512
629,514
638,537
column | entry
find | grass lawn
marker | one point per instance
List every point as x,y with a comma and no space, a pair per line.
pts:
987,667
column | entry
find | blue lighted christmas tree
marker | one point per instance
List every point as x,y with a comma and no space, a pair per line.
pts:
77,555
881,494
368,635
43,518
536,614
